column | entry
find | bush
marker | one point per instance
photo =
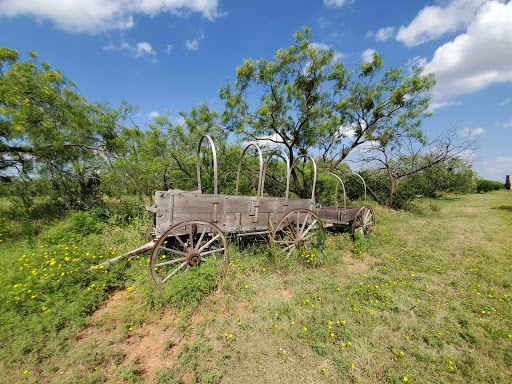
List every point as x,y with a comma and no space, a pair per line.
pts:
487,185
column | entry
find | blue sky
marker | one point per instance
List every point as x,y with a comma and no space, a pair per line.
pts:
174,54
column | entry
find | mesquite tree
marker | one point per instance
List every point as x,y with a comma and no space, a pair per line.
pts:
309,103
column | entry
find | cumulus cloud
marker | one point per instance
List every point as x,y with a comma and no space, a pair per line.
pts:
477,58
384,33
337,3
139,50
367,55
432,22
508,124
93,16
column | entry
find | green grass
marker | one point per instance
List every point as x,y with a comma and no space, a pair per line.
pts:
427,299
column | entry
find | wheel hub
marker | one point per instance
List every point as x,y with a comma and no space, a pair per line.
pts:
299,243
193,257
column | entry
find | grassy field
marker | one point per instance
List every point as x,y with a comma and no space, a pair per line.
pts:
426,299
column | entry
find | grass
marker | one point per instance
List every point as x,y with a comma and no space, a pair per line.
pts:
427,299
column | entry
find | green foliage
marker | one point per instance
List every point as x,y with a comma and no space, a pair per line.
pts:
78,226
165,377
487,185
48,128
310,103
183,290
452,176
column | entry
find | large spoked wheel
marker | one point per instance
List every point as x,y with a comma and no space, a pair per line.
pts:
364,222
184,245
297,229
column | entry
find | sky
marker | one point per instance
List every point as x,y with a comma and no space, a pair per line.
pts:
171,55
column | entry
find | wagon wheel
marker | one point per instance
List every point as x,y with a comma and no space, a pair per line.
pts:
150,230
364,221
298,229
184,245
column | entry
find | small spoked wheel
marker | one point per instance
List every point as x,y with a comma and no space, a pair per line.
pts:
297,229
185,245
150,230
364,222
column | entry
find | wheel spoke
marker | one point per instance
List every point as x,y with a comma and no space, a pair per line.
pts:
202,235
284,241
209,242
369,216
173,272
173,251
309,228
304,223
307,237
170,262
285,248
212,251
191,237
179,240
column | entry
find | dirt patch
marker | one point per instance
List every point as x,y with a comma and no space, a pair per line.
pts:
151,345
152,348
355,265
287,294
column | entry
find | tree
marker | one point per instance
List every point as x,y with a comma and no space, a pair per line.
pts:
48,128
390,164
310,103
163,156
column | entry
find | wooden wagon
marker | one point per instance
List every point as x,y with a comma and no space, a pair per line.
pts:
190,227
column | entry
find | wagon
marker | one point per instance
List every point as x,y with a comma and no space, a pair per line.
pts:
191,227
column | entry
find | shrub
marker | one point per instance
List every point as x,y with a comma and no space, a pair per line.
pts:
487,185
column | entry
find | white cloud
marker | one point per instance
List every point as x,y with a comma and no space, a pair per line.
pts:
93,16
322,22
505,102
347,131
477,58
508,124
194,44
367,146
139,50
497,168
434,106
337,3
152,115
368,54
384,33
168,49
325,47
470,132
433,22
417,61
268,141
